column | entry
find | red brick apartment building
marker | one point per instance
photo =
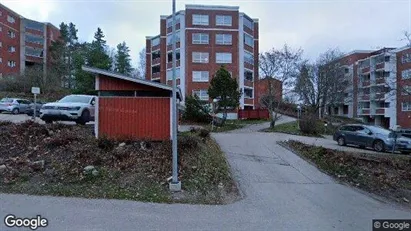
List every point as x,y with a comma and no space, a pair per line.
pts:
208,36
23,42
381,89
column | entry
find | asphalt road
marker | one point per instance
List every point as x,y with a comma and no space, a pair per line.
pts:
280,192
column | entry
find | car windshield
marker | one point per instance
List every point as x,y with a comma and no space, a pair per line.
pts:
75,99
381,131
6,100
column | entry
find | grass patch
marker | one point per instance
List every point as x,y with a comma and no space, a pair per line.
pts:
385,175
125,169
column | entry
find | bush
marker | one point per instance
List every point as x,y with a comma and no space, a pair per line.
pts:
204,133
310,125
196,110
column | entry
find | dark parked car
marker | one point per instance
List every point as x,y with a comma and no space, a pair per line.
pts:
30,111
378,138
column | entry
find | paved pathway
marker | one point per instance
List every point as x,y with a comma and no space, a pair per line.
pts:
281,192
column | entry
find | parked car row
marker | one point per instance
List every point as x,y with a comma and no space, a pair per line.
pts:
375,137
77,108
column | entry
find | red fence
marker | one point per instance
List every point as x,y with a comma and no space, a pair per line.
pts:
253,114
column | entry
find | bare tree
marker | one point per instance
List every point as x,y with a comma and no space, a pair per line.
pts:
141,73
324,82
283,65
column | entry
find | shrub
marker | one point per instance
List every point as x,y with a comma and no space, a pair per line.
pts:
204,133
196,110
310,125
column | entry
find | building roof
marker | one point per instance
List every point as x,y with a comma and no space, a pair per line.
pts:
212,7
401,49
128,78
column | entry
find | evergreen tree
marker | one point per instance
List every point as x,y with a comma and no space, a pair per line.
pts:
225,89
123,60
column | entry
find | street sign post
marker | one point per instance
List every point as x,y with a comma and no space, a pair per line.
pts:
35,91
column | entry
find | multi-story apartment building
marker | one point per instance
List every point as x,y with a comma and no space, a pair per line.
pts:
380,93
207,38
23,42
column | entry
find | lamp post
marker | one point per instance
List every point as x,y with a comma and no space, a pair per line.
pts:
214,106
175,184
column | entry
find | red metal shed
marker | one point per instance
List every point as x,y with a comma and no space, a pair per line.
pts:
131,108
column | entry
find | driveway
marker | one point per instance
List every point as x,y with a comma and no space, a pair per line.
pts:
280,192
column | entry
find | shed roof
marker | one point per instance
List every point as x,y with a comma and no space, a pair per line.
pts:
128,78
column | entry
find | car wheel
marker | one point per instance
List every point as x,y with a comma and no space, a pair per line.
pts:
85,117
15,111
378,146
341,141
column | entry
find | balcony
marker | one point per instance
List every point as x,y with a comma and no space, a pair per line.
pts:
365,97
170,47
380,111
155,61
379,66
248,66
379,96
366,83
156,47
155,75
170,64
365,70
170,29
380,80
364,111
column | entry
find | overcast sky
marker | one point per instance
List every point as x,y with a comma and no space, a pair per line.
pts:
313,25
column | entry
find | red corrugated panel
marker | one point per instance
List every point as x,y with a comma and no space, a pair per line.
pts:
112,84
253,114
137,118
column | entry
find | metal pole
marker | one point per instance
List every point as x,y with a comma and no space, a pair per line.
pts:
35,107
175,185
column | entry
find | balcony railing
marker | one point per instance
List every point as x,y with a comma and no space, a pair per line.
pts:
365,97
380,80
366,83
155,61
380,111
155,75
380,66
364,111
379,96
365,69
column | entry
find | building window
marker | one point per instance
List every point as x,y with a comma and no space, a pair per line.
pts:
387,58
10,19
34,52
11,63
248,40
248,75
155,42
406,74
170,74
200,76
170,38
34,39
406,58
223,58
155,55
33,25
248,24
200,38
406,106
224,20
248,58
170,21
170,56
406,90
200,57
202,94
11,34
224,39
248,93
200,19
12,49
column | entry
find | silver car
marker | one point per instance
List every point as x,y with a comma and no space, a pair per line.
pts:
14,105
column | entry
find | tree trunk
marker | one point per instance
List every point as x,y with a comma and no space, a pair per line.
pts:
224,116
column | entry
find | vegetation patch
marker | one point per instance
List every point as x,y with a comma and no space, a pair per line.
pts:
64,160
385,175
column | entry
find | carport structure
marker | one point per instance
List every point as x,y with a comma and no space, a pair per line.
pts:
131,108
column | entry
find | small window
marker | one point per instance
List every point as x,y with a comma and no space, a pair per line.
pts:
224,20
200,76
248,75
248,58
224,39
387,58
170,38
170,21
406,106
155,55
200,57
170,56
155,42
202,94
346,70
200,19
223,58
12,49
406,74
248,40
200,38
248,93
248,24
10,19
11,34
11,63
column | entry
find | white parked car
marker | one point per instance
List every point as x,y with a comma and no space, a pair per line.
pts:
78,108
